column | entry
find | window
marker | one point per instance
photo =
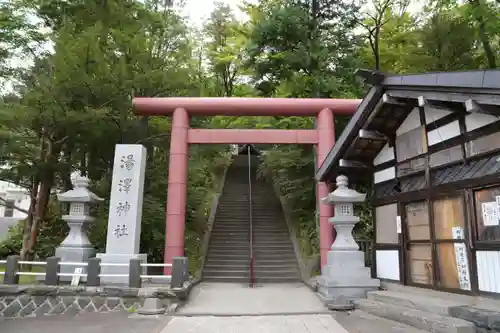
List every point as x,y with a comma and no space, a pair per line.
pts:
9,208
487,207
386,224
449,220
417,219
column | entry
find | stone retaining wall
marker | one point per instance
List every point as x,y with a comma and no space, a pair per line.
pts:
31,301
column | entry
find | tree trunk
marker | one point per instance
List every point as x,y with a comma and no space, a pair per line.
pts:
40,198
28,222
40,208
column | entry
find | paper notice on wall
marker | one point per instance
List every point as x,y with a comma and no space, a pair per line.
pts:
457,232
490,212
462,266
398,224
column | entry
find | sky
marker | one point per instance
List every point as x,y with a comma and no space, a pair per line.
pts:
198,11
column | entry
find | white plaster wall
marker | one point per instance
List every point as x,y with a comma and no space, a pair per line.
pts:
488,271
383,175
443,133
478,120
385,155
433,114
387,264
411,122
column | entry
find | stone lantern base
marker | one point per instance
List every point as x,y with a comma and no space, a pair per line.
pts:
74,254
345,278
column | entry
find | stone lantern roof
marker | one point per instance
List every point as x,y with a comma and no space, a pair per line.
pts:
80,191
343,194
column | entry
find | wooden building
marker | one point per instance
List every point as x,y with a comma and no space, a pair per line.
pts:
430,144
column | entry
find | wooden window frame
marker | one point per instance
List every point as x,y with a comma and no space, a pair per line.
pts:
480,245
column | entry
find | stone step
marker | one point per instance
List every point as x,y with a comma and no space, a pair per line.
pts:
258,272
265,232
219,229
223,278
486,319
220,232
244,266
271,240
273,246
269,229
234,236
224,261
232,250
226,272
230,237
362,322
232,221
222,227
229,247
413,301
224,254
416,318
229,240
288,257
278,270
290,260
276,279
263,242
272,251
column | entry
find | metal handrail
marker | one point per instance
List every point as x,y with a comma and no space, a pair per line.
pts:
250,216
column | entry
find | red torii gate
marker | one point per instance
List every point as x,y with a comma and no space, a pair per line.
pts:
180,108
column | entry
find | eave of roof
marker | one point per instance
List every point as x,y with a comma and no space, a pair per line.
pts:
468,82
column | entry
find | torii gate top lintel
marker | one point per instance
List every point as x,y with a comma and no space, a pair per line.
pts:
242,106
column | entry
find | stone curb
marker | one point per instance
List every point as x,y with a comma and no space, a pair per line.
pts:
39,300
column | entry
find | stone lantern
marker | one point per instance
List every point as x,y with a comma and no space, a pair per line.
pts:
344,278
77,247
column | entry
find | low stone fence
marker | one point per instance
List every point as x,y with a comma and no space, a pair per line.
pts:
40,300
51,297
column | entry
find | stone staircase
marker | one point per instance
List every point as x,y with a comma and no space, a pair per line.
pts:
402,309
228,257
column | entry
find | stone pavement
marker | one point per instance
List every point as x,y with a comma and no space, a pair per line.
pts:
211,308
237,299
110,322
255,324
271,308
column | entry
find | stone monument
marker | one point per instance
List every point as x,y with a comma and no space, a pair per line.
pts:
344,278
77,247
125,212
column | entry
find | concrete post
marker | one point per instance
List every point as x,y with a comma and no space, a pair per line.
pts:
135,270
179,272
93,271
11,269
52,271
